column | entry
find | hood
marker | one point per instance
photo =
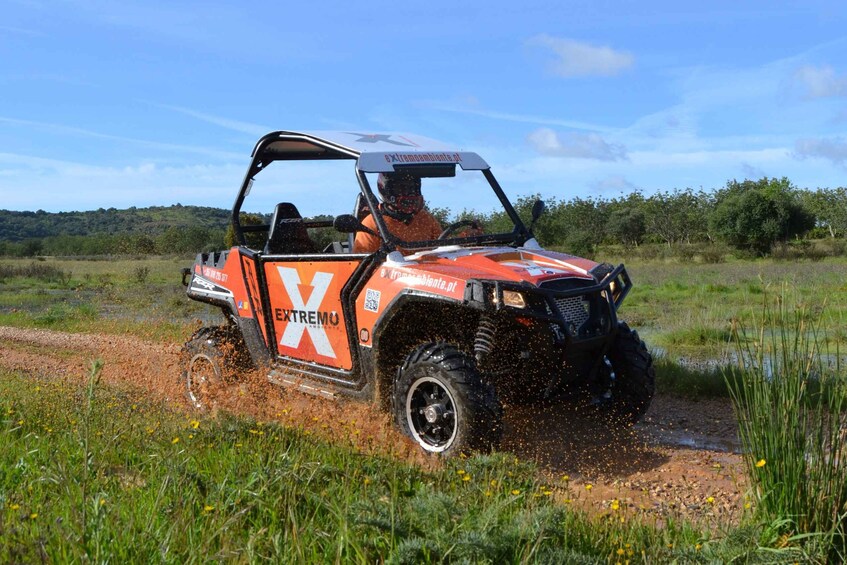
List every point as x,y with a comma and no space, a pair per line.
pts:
508,264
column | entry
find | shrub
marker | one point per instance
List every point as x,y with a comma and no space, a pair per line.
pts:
140,274
39,271
791,409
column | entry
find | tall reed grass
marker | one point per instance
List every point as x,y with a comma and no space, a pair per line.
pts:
791,403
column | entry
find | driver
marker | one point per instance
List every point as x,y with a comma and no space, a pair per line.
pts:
402,210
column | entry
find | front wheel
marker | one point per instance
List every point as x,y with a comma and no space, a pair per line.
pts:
634,378
441,402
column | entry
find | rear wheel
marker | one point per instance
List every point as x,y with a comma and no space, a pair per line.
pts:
441,402
207,363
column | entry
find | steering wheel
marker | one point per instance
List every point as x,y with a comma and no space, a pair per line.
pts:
460,224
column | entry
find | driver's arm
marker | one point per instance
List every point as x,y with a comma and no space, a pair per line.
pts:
365,242
431,227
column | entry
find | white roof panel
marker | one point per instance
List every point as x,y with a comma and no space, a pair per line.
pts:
365,141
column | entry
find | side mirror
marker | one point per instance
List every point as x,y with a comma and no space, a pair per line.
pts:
537,209
348,223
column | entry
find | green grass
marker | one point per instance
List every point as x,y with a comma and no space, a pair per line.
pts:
687,381
699,336
690,309
123,296
100,474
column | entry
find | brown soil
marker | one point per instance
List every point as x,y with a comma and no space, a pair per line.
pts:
682,459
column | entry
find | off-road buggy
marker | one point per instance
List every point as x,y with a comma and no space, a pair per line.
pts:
444,336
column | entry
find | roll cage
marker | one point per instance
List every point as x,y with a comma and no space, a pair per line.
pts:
375,153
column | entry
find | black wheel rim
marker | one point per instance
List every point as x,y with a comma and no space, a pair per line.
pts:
432,415
202,376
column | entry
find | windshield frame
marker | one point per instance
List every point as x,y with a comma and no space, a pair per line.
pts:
518,236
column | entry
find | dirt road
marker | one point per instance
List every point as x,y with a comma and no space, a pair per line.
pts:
681,460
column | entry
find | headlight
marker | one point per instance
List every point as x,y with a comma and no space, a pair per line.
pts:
510,298
614,289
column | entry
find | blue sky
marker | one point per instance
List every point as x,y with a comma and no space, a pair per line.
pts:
118,104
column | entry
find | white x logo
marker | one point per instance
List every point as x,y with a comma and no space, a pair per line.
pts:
294,330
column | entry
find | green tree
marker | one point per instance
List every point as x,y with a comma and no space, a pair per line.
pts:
627,225
255,240
829,206
757,214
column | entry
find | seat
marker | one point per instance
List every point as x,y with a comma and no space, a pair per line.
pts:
360,210
288,234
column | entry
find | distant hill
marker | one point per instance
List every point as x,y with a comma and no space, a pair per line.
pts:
21,226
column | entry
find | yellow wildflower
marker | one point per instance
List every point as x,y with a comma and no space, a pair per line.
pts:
208,508
466,477
589,486
760,463
711,500
616,504
15,506
175,440
33,516
516,491
195,424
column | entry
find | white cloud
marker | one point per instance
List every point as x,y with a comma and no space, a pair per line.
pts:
513,117
22,31
67,185
614,183
576,59
81,132
834,150
575,145
821,82
752,172
234,125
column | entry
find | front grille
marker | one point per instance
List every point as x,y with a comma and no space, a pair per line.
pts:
573,309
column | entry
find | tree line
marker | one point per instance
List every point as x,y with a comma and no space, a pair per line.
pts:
750,215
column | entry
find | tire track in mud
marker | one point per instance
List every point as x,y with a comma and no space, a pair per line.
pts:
681,460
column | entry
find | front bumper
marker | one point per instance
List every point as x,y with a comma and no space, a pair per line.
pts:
575,311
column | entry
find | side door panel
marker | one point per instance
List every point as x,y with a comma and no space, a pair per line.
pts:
249,268
306,310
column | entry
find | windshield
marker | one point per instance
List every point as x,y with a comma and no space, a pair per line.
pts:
466,208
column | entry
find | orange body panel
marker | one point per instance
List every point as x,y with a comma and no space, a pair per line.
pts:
230,277
306,311
444,273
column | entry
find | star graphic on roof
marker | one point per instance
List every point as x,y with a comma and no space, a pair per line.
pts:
378,137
